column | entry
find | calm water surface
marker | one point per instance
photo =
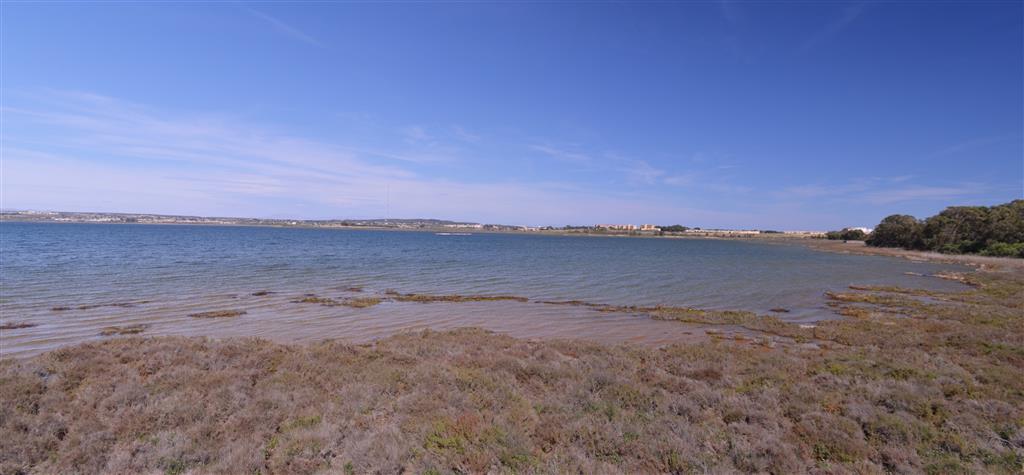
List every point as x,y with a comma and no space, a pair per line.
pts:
178,270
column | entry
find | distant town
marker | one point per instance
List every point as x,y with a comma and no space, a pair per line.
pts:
397,224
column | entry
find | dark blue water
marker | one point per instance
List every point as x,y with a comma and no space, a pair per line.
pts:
178,269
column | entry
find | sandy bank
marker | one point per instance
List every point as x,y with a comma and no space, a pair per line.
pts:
858,247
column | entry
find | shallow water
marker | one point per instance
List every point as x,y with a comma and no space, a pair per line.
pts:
178,270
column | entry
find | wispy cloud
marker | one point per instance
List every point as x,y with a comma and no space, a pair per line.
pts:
974,144
561,154
642,173
92,123
284,28
679,180
89,152
947,194
849,14
416,133
727,188
883,190
464,135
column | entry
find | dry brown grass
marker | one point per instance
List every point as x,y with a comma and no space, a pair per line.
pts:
910,387
218,314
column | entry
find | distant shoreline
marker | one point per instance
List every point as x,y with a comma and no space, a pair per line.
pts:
815,243
708,234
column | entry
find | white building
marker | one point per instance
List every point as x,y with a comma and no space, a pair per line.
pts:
618,227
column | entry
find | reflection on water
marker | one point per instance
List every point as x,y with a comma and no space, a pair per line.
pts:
158,275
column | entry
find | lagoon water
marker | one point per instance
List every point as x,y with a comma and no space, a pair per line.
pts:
159,274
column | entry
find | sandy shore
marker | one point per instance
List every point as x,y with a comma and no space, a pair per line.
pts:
858,247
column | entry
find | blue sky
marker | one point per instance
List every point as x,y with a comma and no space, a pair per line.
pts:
787,115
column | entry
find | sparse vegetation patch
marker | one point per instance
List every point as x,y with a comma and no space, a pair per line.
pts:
425,298
361,302
218,314
125,330
114,304
312,298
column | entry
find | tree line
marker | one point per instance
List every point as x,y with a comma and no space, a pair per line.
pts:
992,231
847,234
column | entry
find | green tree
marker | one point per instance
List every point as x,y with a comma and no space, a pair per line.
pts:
993,231
898,230
956,230
1006,223
846,234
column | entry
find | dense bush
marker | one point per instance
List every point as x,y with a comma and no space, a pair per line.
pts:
1002,249
846,234
898,230
993,231
675,228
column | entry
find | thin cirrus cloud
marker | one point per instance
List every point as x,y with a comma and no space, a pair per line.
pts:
464,135
679,180
975,144
920,192
642,173
284,28
416,133
884,191
561,154
80,151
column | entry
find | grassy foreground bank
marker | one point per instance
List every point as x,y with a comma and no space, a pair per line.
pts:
911,381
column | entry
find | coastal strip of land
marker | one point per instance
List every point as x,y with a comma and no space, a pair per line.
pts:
415,224
911,380
858,247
